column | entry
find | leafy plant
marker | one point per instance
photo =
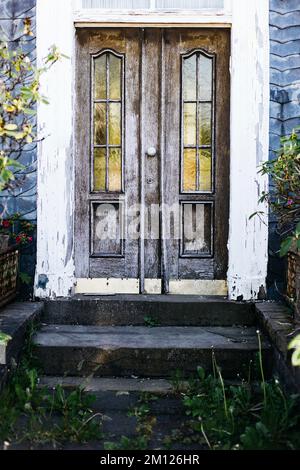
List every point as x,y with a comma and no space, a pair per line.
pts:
284,196
239,417
19,95
249,423
29,412
20,231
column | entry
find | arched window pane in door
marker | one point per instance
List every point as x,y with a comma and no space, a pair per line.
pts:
197,121
108,112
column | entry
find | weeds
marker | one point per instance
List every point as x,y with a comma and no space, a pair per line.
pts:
240,416
151,322
36,415
219,416
144,427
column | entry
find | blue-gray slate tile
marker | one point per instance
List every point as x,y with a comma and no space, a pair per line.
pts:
285,102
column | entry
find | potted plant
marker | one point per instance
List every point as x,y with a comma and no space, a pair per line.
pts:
284,200
19,95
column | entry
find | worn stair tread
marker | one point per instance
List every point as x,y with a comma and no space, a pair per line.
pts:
136,337
162,298
165,310
114,384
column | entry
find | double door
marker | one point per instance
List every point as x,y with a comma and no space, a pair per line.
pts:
152,156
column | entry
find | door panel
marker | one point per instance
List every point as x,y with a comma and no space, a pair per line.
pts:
150,134
197,130
107,170
152,151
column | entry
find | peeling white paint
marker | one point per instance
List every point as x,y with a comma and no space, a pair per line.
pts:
248,239
55,264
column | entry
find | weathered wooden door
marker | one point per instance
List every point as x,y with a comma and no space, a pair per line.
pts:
152,156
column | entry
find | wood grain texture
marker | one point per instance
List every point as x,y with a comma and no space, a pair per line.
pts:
89,43
179,42
153,117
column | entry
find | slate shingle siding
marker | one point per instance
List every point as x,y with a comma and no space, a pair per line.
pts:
285,93
12,13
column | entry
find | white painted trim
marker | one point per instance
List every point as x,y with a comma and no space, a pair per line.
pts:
152,286
248,239
55,207
228,7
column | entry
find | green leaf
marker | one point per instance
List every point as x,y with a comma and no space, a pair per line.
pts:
29,111
297,231
296,358
285,246
4,338
25,278
255,214
15,164
295,343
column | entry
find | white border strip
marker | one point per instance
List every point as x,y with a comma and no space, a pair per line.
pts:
248,239
250,100
84,18
55,196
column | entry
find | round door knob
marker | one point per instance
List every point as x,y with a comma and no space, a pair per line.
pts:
151,152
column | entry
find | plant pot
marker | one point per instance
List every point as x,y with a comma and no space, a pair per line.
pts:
293,281
4,240
9,267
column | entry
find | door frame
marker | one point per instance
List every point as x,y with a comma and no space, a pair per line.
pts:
248,239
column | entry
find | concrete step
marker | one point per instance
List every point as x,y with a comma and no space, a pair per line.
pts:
163,310
14,320
121,394
78,350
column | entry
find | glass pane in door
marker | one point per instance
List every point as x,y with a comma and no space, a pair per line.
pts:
108,116
197,121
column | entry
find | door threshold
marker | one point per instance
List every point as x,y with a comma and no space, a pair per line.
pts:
114,286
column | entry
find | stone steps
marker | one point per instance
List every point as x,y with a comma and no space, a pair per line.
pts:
122,394
164,310
125,351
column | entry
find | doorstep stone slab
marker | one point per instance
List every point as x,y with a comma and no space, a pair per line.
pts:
14,320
